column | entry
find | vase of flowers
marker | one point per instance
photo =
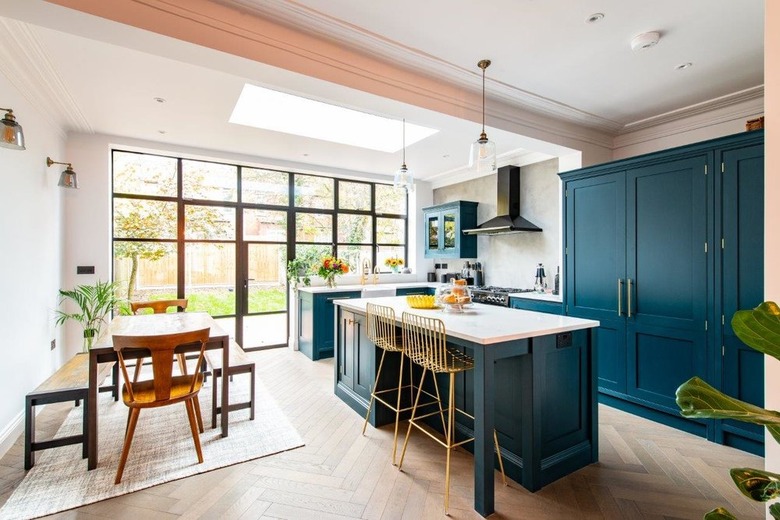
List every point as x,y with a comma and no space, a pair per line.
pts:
394,263
330,267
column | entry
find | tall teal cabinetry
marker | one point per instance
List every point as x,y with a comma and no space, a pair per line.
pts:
644,256
444,225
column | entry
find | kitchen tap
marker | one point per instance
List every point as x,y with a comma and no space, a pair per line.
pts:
365,271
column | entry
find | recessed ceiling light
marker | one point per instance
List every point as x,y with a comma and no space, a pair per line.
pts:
272,110
595,17
682,66
159,99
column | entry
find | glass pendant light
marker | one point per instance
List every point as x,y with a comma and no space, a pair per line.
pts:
12,135
483,151
68,177
404,179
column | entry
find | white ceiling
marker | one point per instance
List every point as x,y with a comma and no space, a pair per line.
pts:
545,59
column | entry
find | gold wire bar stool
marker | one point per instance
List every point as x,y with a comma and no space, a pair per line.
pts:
381,330
425,342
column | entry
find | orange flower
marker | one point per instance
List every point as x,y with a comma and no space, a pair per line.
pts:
344,268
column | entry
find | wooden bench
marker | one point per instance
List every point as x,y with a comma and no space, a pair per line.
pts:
68,383
239,364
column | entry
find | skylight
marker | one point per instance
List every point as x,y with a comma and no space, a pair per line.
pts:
272,110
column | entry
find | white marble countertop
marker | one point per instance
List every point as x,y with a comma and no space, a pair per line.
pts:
482,324
358,287
542,297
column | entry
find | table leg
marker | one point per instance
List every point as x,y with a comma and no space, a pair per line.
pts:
92,417
225,385
484,423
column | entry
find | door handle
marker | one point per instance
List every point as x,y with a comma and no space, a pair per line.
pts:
620,296
629,297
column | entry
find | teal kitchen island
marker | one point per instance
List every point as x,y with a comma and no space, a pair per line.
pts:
534,381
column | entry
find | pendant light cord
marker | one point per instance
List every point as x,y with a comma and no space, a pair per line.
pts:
483,99
403,133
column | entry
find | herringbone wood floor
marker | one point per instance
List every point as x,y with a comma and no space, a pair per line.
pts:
645,471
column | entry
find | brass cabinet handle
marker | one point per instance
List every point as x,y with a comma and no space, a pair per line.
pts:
629,297
620,296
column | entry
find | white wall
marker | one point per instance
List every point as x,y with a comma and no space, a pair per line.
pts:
772,206
510,260
31,239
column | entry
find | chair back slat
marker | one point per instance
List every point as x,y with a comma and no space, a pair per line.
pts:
159,306
425,341
380,328
161,348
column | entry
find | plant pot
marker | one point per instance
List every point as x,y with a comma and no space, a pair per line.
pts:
89,339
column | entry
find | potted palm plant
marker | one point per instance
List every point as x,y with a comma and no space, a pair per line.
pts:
95,302
758,328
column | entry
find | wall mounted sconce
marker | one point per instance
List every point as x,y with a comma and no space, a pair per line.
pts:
12,134
68,177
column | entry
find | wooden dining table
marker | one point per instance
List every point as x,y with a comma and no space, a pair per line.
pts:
150,325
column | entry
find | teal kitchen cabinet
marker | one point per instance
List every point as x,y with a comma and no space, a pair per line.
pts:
315,321
654,249
741,225
444,225
527,304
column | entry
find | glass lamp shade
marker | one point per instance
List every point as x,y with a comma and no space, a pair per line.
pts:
12,134
68,179
482,158
404,179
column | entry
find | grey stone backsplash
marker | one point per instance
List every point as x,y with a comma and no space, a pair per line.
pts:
510,260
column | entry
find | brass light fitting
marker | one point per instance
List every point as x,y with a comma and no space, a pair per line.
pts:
68,177
482,158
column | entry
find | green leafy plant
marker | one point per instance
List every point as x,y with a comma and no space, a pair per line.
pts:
298,270
758,328
95,302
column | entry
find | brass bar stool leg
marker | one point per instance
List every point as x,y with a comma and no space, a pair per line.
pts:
411,419
397,405
438,398
373,390
500,459
450,437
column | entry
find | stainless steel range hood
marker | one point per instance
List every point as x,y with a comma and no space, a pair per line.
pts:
508,208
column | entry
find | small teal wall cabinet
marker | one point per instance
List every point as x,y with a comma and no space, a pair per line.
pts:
662,249
444,225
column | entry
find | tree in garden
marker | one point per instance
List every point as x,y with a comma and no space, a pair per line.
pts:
152,219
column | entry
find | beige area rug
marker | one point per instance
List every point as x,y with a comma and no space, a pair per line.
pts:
162,451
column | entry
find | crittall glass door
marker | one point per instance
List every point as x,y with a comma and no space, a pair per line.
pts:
264,310
220,235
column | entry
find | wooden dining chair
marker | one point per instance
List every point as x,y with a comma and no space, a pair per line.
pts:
163,388
159,307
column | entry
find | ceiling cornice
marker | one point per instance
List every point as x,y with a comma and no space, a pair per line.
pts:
750,94
295,16
24,61
519,157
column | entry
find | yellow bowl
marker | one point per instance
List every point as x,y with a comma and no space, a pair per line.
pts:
420,301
